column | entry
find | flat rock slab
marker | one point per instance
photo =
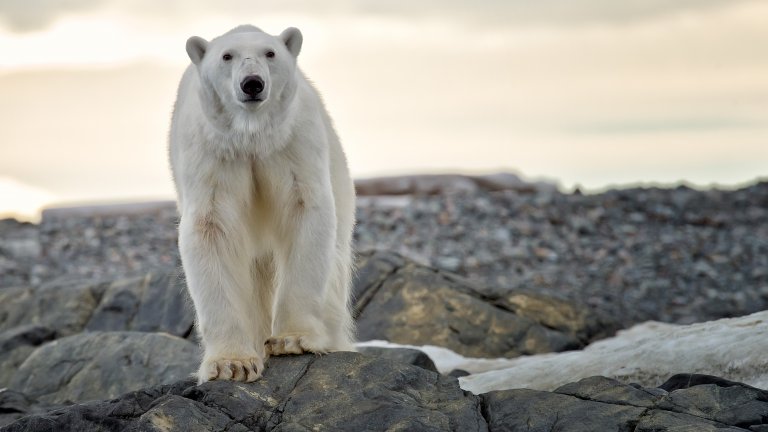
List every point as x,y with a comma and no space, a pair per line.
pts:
100,365
400,301
354,392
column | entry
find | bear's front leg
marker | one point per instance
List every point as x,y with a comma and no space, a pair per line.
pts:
303,267
232,322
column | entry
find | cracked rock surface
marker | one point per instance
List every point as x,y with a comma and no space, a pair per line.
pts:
354,392
400,301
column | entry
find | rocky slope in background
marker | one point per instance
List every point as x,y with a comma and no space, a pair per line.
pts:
675,255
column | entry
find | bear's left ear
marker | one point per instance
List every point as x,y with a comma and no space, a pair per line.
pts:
196,47
292,39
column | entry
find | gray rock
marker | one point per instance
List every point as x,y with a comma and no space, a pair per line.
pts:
19,249
602,404
354,392
101,365
601,389
17,344
64,305
155,302
108,242
712,397
404,355
532,410
15,405
403,302
339,391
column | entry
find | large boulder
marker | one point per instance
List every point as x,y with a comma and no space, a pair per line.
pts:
400,301
99,365
156,302
602,404
353,392
62,305
153,302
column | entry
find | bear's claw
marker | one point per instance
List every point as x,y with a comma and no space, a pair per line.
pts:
243,370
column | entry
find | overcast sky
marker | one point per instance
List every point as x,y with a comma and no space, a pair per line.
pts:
585,92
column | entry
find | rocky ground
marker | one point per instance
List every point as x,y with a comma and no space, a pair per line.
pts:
114,356
96,330
675,255
302,393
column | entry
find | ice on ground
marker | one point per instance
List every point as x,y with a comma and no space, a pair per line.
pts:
648,354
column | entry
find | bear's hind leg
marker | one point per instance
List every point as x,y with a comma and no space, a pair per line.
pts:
329,315
337,313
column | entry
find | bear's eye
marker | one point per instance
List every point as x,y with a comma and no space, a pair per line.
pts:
270,54
226,57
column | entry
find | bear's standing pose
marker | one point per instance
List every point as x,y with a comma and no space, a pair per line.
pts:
266,203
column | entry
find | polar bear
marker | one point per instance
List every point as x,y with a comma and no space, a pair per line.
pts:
266,202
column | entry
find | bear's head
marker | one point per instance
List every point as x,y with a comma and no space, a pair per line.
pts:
245,68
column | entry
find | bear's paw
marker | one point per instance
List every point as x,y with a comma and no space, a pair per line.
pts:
247,369
293,344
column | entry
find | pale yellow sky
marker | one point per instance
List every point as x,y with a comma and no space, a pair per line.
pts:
587,92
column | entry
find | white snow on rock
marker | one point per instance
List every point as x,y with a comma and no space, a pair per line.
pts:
648,354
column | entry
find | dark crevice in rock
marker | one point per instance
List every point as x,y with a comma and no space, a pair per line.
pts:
684,381
481,409
370,292
303,373
276,417
199,396
634,423
617,402
188,332
586,399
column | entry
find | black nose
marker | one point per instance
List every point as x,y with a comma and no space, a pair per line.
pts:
252,85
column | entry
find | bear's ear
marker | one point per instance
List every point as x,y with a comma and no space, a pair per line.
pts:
196,47
292,39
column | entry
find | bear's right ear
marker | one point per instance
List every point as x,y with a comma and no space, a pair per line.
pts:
196,47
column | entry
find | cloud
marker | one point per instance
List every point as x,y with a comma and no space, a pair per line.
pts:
33,15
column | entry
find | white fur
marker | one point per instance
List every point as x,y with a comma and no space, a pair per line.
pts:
266,204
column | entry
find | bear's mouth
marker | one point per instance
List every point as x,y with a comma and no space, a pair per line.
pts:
251,100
